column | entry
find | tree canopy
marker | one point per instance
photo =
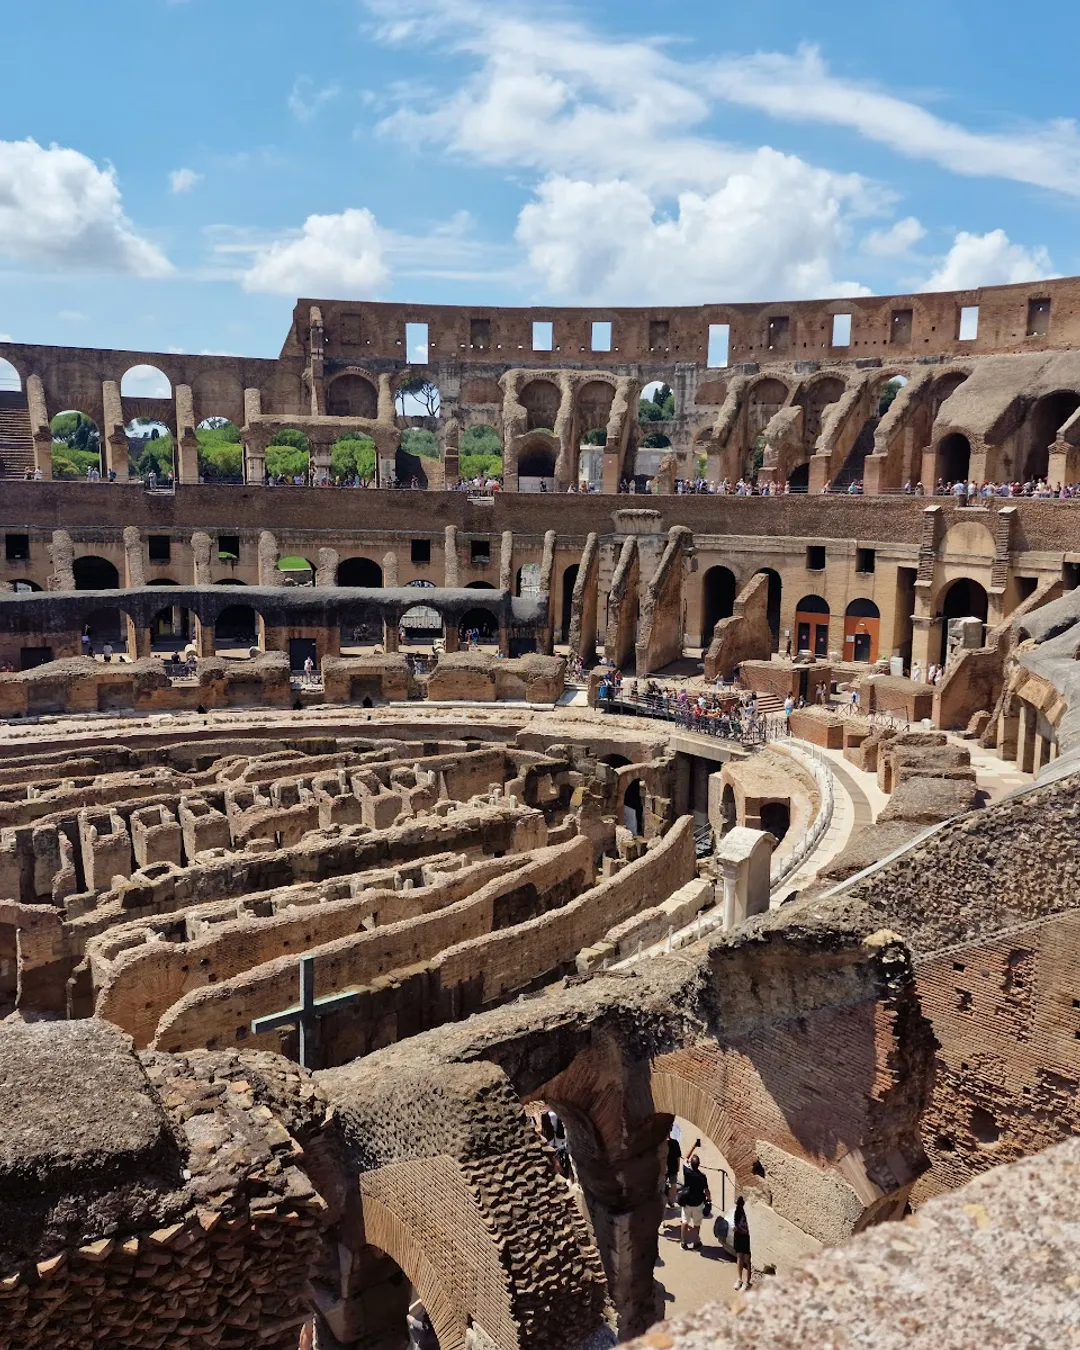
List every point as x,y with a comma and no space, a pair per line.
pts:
659,408
421,392
76,445
420,441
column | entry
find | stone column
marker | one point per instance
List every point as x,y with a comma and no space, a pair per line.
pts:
730,873
1025,739
451,573
202,638
320,454
133,558
114,437
39,424
187,443
390,633
254,442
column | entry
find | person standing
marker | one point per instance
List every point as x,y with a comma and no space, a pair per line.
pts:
741,1242
674,1158
693,1197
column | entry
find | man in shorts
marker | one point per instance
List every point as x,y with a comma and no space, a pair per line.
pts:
674,1159
693,1197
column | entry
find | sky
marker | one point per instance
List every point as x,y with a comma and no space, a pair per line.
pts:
175,173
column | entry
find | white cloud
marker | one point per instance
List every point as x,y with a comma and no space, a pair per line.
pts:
988,260
72,316
631,201
335,255
145,382
183,180
305,101
776,230
60,212
800,88
896,241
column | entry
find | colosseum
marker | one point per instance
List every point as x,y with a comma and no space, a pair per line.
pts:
407,877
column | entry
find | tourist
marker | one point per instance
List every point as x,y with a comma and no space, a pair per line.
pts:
741,1243
106,652
674,1159
789,708
916,672
309,670
693,1196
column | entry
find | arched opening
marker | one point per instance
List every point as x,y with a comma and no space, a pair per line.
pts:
420,626
819,396
480,586
145,382
480,452
527,580
944,388
717,600
763,402
536,462
297,571
776,819
615,761
954,458
151,450
1045,420
25,587
799,478
363,572
288,458
569,581
105,633
478,627
10,379
776,592
418,399
95,574
76,446
221,453
352,395
541,400
812,625
634,808
170,629
236,632
862,624
594,401
964,599
409,471
728,809
889,392
656,403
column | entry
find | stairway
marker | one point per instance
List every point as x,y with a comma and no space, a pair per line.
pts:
16,441
852,470
767,704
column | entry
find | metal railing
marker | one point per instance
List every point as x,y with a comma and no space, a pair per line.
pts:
736,725
812,759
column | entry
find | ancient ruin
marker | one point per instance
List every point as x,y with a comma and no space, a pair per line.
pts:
386,873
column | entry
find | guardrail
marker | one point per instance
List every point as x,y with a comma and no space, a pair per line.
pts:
812,759
736,727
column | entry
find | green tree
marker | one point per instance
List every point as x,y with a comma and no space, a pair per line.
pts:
419,441
76,431
221,456
888,396
596,437
353,455
481,440
287,454
418,389
470,465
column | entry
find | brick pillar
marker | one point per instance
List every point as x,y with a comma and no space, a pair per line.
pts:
1025,739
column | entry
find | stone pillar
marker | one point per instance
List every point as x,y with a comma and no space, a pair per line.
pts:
1025,739
203,549
390,570
451,637
187,443
138,642
451,572
506,562
612,473
114,437
1042,752
924,636
742,857
133,558
320,456
39,425
202,638
390,634
254,443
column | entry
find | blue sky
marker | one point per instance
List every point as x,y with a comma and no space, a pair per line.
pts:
173,173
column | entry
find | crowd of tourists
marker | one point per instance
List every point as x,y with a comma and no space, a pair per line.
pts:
727,711
969,490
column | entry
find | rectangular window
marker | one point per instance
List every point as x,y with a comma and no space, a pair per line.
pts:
543,337
1038,323
901,326
719,344
968,329
416,344
815,558
865,559
158,546
841,330
480,334
421,550
17,547
480,551
779,333
601,337
659,334
228,547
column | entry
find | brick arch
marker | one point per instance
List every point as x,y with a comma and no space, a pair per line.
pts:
353,393
675,1094
408,1249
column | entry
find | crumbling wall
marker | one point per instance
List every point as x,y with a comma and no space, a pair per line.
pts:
660,631
746,636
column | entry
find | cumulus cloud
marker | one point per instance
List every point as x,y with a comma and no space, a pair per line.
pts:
183,180
990,259
896,241
778,228
145,382
332,255
60,212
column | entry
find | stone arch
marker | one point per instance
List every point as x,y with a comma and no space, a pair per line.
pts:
675,1094
798,480
144,381
363,572
945,385
218,393
954,458
297,570
776,818
633,807
718,591
421,622
593,408
764,399
352,394
1041,426
541,399
108,624
95,574
481,619
10,379
569,581
84,436
536,459
819,394
961,598
171,628
238,626
23,586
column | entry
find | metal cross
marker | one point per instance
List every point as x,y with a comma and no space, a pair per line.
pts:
305,1015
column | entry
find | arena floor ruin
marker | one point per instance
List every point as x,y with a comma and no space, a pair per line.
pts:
354,969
